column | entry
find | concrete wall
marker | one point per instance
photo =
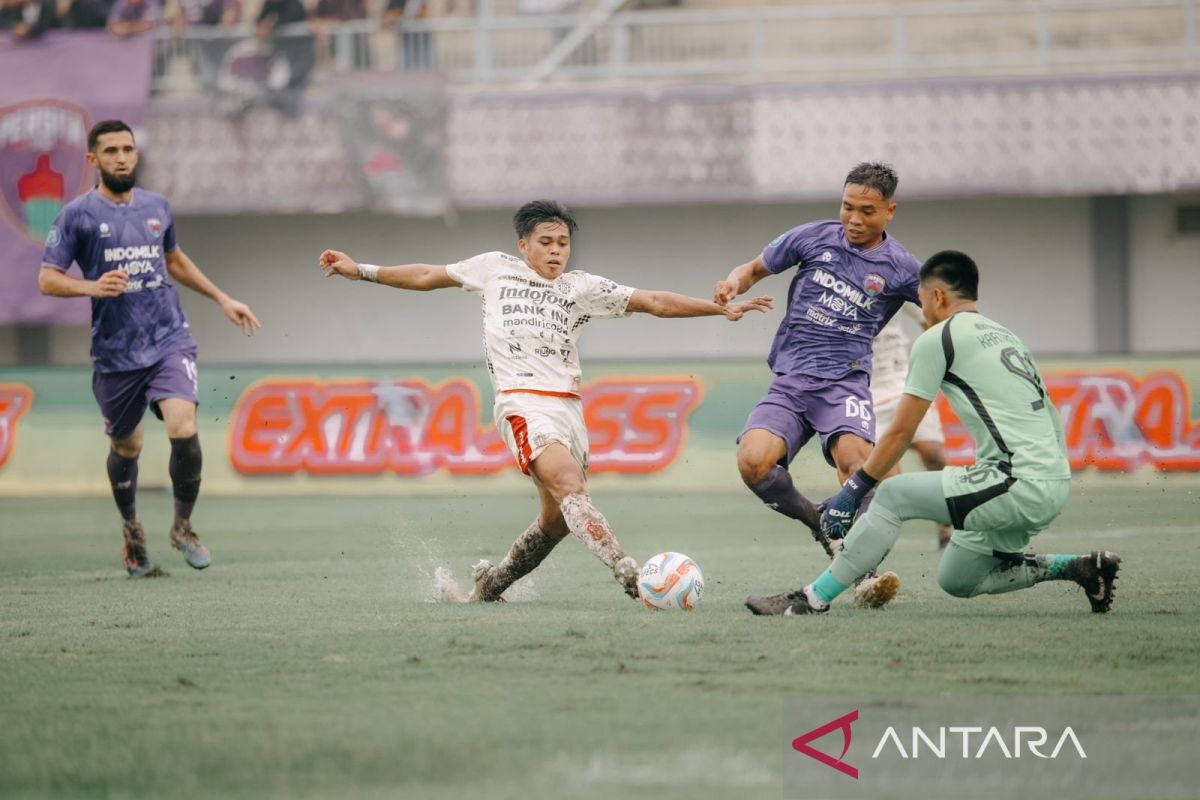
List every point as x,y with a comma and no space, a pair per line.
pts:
1034,254
1164,278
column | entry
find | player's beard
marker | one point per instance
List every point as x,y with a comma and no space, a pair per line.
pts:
119,184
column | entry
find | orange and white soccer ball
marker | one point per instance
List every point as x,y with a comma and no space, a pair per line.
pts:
671,580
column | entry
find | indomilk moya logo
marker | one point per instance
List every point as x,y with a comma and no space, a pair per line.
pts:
944,743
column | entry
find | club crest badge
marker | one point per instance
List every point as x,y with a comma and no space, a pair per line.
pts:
42,165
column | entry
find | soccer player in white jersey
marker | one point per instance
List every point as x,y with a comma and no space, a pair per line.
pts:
889,369
533,311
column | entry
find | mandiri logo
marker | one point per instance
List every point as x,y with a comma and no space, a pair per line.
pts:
966,742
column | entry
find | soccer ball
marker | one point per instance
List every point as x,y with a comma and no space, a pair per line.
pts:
671,580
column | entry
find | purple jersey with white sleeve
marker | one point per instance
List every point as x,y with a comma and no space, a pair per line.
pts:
839,299
136,329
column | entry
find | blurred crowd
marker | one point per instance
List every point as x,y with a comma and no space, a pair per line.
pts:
29,19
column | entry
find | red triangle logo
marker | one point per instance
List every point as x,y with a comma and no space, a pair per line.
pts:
801,743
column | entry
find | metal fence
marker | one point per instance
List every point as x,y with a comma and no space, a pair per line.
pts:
804,43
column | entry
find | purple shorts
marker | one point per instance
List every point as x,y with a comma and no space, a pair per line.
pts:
797,406
123,396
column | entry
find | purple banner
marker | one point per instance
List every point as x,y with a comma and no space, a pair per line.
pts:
53,90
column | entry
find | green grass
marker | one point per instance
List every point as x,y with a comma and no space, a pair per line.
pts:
307,661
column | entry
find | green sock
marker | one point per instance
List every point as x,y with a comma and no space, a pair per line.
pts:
1055,567
827,587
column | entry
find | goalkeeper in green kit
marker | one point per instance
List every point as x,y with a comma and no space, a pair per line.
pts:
1018,487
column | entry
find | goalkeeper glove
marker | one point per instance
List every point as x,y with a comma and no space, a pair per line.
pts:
838,513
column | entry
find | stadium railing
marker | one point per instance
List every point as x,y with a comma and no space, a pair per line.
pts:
806,43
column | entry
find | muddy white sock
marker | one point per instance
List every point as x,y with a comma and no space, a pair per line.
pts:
529,550
590,527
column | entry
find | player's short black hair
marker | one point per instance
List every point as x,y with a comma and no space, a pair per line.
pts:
535,212
956,270
106,126
874,175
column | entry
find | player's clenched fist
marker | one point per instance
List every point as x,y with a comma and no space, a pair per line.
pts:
335,262
112,283
724,292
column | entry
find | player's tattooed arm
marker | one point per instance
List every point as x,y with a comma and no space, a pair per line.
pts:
414,277
670,304
56,283
740,280
184,271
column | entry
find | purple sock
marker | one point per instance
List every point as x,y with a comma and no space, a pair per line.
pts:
123,475
778,491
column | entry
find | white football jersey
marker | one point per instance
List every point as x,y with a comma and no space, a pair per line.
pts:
531,326
889,362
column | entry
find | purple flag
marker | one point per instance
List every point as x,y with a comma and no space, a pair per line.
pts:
62,84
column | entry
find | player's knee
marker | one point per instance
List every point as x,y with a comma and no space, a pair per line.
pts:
847,465
128,448
566,483
886,496
185,429
954,582
753,467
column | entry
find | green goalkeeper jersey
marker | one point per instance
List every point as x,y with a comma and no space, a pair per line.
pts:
995,388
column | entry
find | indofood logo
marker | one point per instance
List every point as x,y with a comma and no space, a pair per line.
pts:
942,743
42,166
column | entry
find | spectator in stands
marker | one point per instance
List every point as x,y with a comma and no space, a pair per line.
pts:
279,12
340,10
327,16
417,45
193,13
84,14
131,17
27,19
293,53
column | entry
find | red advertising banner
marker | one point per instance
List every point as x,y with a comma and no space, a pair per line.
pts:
15,400
1114,422
412,427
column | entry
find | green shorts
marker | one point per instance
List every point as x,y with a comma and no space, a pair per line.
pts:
992,511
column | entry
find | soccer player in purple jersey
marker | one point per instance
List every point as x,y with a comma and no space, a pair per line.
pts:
123,240
850,279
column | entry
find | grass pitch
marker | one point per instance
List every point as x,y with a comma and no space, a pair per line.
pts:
309,662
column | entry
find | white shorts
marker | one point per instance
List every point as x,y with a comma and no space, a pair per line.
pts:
930,429
529,423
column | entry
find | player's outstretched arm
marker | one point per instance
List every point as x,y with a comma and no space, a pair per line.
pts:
670,304
415,277
184,271
56,283
740,280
